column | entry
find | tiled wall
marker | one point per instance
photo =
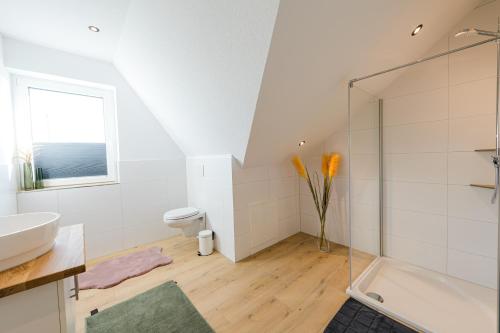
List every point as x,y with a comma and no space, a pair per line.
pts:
266,206
435,115
365,194
118,216
209,184
7,177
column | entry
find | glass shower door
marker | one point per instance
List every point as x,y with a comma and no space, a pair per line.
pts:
364,180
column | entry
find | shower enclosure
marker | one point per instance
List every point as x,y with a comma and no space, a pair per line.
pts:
423,173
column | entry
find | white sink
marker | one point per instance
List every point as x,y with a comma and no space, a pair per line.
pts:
24,237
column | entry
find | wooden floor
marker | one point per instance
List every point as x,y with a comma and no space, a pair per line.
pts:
289,287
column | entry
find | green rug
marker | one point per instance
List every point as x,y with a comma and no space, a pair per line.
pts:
161,309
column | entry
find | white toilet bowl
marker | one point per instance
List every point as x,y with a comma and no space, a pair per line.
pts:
189,219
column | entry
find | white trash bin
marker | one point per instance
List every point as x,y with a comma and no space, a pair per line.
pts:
206,242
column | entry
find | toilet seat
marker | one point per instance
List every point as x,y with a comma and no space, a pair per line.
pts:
180,213
189,219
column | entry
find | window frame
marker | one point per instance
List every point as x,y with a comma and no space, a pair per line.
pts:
23,125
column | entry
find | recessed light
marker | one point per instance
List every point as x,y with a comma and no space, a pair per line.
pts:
301,143
417,29
93,28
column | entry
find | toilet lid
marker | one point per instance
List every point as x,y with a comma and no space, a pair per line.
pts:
180,213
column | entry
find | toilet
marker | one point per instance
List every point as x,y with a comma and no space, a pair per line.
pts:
189,219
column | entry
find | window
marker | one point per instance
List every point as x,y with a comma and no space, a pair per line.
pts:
70,130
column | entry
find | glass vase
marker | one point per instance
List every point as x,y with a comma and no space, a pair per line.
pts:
322,239
28,176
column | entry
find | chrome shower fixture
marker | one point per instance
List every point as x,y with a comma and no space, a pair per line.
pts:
473,31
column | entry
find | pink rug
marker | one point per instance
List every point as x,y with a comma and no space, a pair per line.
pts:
111,272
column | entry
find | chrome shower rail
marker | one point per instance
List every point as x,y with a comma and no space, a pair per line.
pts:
351,82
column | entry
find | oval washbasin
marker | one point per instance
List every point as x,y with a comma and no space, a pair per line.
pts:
24,237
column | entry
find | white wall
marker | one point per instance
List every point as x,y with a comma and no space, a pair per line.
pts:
152,167
266,206
7,174
198,66
316,45
120,216
435,115
141,137
365,179
209,186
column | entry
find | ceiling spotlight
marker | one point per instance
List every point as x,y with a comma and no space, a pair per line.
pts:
417,29
93,28
301,143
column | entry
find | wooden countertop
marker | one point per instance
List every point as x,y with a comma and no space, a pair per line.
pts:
67,258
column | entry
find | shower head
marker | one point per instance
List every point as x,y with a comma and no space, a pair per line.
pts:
476,32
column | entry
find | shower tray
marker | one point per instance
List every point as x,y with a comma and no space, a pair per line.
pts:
426,300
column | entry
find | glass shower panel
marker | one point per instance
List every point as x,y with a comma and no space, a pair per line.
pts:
421,178
364,118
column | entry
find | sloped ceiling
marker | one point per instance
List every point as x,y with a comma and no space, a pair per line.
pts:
248,78
62,24
318,46
198,66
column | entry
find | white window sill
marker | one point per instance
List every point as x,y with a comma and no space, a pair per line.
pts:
64,187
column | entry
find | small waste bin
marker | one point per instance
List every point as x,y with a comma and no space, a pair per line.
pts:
206,242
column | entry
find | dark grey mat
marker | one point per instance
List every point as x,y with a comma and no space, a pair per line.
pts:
355,317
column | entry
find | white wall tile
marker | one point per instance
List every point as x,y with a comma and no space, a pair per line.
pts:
474,237
282,170
364,141
471,203
467,134
39,201
365,166
365,191
242,223
309,224
426,76
95,222
247,175
420,197
210,188
478,269
365,115
144,202
243,247
218,167
473,98
282,188
466,168
416,167
473,64
418,253
87,199
307,205
365,216
103,243
430,137
288,207
176,187
249,193
337,222
148,189
421,107
421,227
264,223
288,226
366,240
